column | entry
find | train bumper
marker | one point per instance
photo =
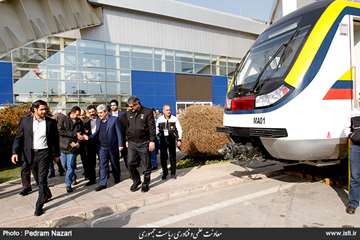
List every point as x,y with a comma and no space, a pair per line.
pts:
254,132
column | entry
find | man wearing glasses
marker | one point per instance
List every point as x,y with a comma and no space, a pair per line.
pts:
141,134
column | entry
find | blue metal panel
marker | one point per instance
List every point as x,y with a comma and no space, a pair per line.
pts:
6,85
154,88
219,88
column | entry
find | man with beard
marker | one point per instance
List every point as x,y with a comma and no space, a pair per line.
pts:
37,139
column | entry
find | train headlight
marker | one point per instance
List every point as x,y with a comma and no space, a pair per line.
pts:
271,98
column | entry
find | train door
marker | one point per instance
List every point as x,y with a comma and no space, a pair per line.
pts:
355,59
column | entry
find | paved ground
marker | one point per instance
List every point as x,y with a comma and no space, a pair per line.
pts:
280,201
223,195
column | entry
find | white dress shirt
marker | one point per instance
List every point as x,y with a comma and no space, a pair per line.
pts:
93,125
115,114
39,134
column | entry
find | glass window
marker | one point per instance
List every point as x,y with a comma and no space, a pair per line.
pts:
112,75
142,52
169,66
142,64
184,56
125,50
202,68
124,62
69,58
53,57
113,88
56,88
158,65
112,62
95,47
29,72
158,53
202,58
54,72
72,73
92,60
218,70
92,88
93,74
169,55
184,67
71,88
35,88
125,75
111,49
125,88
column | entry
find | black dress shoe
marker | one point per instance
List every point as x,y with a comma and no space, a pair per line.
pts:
52,175
39,211
89,183
145,188
116,181
69,189
135,186
163,177
350,210
25,191
100,187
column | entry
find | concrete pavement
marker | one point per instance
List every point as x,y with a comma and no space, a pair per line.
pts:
85,204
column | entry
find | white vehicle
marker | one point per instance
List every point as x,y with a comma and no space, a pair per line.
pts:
296,88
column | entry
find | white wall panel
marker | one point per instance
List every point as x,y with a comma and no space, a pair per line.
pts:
156,31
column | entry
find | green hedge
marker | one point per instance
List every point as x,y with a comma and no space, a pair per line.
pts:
9,120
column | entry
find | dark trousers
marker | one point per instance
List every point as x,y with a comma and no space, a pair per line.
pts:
90,160
168,144
139,153
106,154
354,194
124,155
39,166
26,169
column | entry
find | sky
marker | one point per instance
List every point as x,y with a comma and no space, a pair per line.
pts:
258,9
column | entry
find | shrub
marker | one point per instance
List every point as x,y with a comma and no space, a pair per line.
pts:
9,120
199,130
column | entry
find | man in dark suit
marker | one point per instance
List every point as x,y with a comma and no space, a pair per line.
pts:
90,146
114,106
109,139
37,140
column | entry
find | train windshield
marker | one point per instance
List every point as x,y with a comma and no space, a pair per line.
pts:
265,65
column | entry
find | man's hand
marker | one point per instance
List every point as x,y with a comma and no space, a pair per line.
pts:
14,158
178,143
127,144
120,149
79,136
85,137
151,146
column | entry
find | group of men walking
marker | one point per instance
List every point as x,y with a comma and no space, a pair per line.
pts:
107,133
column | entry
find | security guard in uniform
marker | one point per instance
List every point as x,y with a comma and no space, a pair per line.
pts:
140,134
170,132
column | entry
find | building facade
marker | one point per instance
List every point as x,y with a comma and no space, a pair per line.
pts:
163,52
